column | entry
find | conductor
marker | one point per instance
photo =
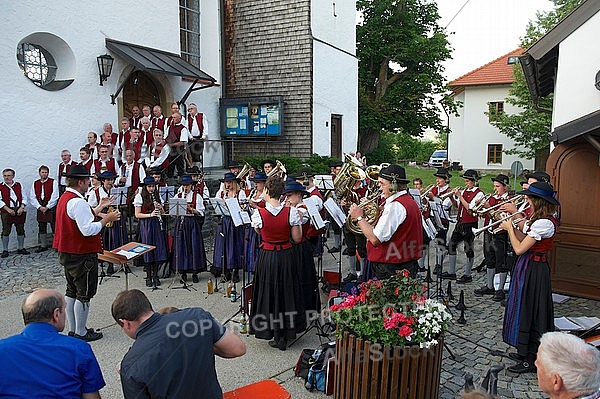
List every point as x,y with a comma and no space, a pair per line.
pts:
77,240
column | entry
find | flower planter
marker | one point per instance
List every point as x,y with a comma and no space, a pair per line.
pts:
368,370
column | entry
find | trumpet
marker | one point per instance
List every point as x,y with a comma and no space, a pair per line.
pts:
517,200
478,231
450,193
427,191
110,210
476,211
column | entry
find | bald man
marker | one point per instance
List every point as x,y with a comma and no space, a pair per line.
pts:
40,362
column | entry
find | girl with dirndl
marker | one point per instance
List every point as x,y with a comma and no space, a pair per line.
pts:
529,308
277,311
255,200
148,209
229,241
307,274
189,254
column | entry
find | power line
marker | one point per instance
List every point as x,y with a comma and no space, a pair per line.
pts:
458,12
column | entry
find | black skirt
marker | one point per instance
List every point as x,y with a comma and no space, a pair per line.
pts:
278,309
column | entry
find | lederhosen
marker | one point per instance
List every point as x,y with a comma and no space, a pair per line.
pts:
44,218
464,227
495,244
7,219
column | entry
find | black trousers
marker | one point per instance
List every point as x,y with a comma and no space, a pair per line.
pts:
386,270
463,232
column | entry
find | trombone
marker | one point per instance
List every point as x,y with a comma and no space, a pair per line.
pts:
496,223
427,191
450,193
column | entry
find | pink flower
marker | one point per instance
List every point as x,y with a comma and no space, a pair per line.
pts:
389,323
405,331
405,273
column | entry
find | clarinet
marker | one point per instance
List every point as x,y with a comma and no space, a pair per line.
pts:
159,216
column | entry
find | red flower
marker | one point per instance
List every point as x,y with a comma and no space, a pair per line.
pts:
405,273
405,331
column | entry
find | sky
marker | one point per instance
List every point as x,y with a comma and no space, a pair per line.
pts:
484,29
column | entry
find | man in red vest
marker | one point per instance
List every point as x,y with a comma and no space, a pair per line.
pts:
177,137
134,121
63,168
198,127
395,242
463,231
44,196
77,239
12,210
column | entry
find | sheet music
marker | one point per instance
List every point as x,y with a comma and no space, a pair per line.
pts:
416,195
165,193
239,217
324,182
219,206
177,206
120,194
335,211
313,212
564,324
127,254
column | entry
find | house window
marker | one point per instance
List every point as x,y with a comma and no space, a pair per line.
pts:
512,60
494,154
36,63
496,108
189,26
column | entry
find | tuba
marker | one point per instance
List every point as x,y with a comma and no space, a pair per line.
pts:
373,174
279,168
370,207
349,174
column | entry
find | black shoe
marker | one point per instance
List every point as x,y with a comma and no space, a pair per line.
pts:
349,277
148,281
4,254
438,269
156,282
503,303
421,269
89,336
481,267
485,290
449,276
41,249
516,356
72,334
346,252
280,344
195,278
333,249
498,296
183,277
23,251
522,367
464,280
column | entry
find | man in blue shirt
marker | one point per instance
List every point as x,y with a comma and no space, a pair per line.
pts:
40,362
173,354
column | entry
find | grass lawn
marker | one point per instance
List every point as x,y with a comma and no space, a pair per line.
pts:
485,183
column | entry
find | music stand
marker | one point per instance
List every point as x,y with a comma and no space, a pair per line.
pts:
178,208
125,254
166,192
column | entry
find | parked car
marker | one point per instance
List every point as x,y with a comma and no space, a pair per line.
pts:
437,158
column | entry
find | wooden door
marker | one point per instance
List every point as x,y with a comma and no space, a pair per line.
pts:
140,89
574,167
336,136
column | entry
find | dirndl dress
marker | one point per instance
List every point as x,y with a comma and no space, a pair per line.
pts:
188,245
151,234
115,236
229,246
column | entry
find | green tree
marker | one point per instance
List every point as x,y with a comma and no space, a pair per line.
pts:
530,129
400,47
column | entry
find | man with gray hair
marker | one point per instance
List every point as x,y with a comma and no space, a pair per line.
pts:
568,367
40,362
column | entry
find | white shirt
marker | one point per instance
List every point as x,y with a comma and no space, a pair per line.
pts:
126,170
150,158
199,198
62,180
53,197
315,198
13,196
541,228
79,211
195,129
138,201
241,195
393,215
92,201
294,218
183,136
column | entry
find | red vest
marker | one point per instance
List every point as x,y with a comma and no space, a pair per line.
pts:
62,168
135,122
406,243
5,190
436,191
158,123
135,147
88,164
198,120
47,186
157,150
135,175
124,137
311,231
276,230
462,214
544,245
110,165
174,133
67,236
147,136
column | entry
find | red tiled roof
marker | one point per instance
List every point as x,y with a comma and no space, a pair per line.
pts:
495,72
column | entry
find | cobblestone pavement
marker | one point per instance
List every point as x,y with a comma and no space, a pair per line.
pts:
475,345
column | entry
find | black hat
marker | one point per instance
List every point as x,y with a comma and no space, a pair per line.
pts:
77,171
107,175
229,177
394,173
259,176
193,171
233,164
148,181
539,176
443,173
270,161
303,174
502,179
295,186
335,164
543,190
155,171
289,179
186,180
471,174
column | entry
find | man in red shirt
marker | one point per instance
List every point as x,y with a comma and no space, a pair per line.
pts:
77,240
12,210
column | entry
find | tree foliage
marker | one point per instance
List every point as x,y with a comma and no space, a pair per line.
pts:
400,47
530,129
